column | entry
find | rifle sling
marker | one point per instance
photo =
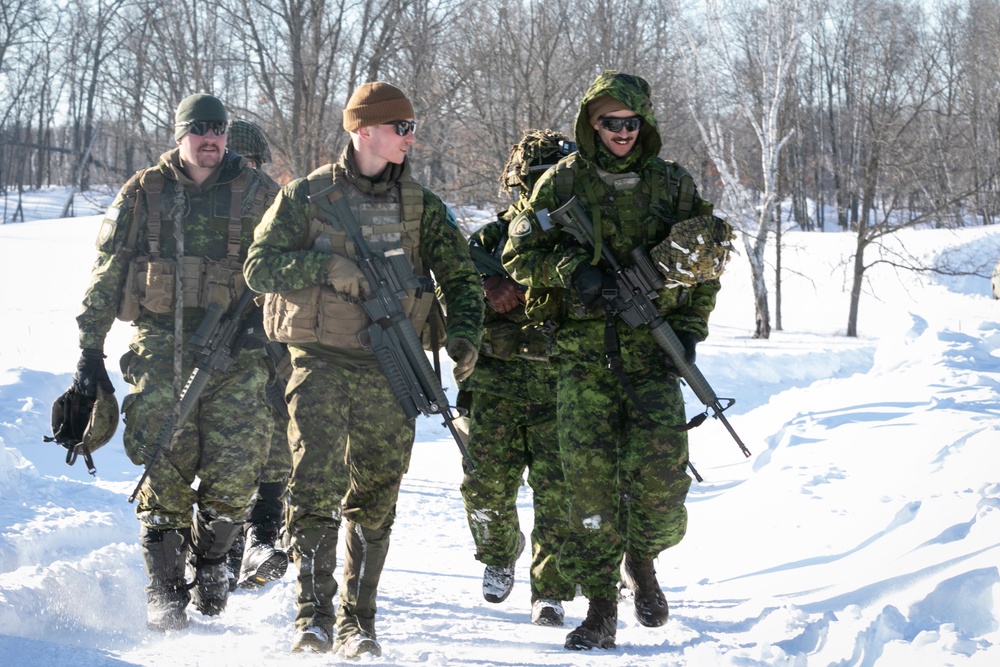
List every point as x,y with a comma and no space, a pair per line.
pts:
612,352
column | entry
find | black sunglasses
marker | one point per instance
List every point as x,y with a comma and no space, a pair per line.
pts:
201,127
631,124
403,127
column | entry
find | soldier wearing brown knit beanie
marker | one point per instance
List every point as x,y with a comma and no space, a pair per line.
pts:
376,103
351,436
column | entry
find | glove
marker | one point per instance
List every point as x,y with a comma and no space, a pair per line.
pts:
464,354
345,277
503,293
688,340
91,374
590,282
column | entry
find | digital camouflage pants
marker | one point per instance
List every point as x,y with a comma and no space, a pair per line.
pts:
626,468
351,445
512,427
222,445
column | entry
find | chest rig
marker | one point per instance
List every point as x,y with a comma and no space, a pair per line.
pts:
204,280
389,221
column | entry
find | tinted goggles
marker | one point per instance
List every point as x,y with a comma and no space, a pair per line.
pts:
201,127
631,124
403,127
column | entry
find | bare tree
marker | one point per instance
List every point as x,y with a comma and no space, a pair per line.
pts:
747,63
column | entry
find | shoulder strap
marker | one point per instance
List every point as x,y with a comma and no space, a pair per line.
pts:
236,190
411,203
151,183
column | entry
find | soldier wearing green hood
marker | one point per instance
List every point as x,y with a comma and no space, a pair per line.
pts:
171,245
623,455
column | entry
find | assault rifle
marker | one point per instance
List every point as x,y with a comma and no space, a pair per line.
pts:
391,335
220,337
486,262
637,285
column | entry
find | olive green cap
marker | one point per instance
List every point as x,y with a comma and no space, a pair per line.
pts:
200,106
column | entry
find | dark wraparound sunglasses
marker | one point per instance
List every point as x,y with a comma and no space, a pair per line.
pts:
403,127
631,124
201,127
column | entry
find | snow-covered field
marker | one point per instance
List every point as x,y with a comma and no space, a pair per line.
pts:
865,530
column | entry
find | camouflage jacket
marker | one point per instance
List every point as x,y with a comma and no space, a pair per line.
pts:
632,201
206,210
280,261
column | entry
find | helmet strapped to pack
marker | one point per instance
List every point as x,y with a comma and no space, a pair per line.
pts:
534,153
696,250
83,425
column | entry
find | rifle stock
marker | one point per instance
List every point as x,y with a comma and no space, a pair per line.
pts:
220,342
391,335
637,286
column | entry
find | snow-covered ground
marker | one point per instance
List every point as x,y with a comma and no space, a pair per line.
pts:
865,529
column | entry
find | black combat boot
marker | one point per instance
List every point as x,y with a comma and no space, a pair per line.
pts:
315,550
262,560
650,604
364,556
598,629
164,553
547,611
234,560
211,539
498,580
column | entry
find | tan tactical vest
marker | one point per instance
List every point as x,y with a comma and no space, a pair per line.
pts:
318,314
150,281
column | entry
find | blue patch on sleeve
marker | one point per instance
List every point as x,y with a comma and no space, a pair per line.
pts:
449,217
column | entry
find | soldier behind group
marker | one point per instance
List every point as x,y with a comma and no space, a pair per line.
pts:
196,209
256,558
623,454
350,438
510,397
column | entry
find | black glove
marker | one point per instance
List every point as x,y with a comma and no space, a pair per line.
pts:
688,340
590,282
91,374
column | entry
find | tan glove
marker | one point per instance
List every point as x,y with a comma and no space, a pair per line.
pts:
345,277
464,354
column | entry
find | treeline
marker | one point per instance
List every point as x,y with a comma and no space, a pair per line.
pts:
881,103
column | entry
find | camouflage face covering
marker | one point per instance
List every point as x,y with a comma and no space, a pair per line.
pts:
696,250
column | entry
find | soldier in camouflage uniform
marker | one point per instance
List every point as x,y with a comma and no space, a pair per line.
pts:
195,209
350,439
256,556
510,397
622,454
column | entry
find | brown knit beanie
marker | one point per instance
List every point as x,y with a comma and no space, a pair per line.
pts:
375,103
602,105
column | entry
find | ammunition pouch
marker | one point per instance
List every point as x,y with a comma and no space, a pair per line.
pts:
150,285
318,314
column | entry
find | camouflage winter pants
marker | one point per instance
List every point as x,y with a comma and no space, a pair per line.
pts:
512,427
625,467
222,445
279,459
350,444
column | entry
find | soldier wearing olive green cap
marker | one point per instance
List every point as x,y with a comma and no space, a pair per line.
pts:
351,441
189,217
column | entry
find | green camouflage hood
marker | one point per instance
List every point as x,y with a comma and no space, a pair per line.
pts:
633,92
